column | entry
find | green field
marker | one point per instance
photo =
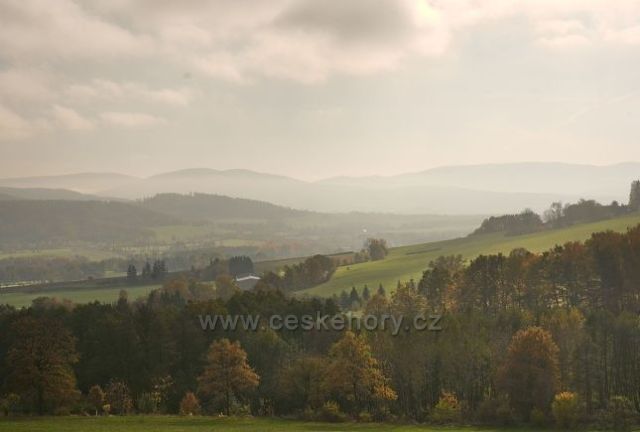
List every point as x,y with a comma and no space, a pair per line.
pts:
70,252
77,295
408,262
202,424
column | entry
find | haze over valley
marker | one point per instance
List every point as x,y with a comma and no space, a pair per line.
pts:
471,190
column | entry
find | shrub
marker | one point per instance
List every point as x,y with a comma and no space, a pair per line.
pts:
62,411
189,405
447,410
537,417
147,403
330,412
10,404
365,417
487,411
504,414
566,410
383,414
618,416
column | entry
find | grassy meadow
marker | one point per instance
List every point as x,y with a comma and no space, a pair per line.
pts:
208,424
77,295
409,262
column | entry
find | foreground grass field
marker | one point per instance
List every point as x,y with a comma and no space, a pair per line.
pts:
408,262
202,424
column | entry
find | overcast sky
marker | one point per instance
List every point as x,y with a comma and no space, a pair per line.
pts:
316,88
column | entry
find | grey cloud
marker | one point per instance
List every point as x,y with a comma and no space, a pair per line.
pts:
357,21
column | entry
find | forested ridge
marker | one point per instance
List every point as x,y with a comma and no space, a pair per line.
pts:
42,221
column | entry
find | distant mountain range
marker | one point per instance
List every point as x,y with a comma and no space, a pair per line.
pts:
476,189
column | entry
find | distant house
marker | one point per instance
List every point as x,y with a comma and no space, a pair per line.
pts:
247,282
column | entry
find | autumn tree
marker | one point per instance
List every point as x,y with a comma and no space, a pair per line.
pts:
226,287
40,361
189,405
353,374
227,374
438,279
529,375
96,398
118,397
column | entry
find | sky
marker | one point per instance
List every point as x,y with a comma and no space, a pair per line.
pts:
315,89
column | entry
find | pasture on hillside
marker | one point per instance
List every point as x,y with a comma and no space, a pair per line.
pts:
408,262
77,295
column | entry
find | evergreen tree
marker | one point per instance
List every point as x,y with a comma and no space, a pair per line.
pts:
366,295
132,273
354,297
146,271
634,196
381,291
344,300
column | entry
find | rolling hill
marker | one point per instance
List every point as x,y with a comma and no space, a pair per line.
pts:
80,182
8,193
39,221
405,263
474,189
199,207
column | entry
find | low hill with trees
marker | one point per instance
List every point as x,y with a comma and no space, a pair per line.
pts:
199,206
407,262
35,221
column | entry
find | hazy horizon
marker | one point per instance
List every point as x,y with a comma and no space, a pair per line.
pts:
314,90
317,179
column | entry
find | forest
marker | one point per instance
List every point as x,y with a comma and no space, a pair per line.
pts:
562,323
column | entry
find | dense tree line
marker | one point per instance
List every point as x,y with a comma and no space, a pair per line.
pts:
559,215
525,222
311,272
525,337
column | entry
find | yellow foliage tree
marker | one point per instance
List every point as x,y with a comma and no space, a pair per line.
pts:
227,374
353,373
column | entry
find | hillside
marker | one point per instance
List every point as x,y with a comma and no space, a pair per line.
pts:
9,193
408,262
27,221
196,207
80,182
